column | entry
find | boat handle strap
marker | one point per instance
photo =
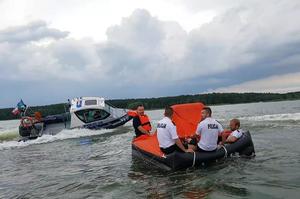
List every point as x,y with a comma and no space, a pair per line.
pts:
194,159
226,153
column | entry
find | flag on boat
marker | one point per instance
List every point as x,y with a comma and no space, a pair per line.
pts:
21,107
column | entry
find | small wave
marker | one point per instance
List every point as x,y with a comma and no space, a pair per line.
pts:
8,125
64,134
8,133
274,117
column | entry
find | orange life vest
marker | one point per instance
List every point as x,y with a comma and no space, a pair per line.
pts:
145,122
144,119
132,113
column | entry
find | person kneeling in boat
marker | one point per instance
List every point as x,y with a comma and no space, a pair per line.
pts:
235,132
167,134
209,129
141,122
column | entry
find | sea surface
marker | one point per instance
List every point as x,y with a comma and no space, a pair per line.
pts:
99,164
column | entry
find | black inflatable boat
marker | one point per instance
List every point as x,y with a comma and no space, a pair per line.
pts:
177,160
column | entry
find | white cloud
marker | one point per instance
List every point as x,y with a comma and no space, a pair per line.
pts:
92,18
278,83
243,43
146,44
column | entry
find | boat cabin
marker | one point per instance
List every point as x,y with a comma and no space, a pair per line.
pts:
85,110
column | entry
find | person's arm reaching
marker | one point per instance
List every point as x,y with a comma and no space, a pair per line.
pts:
220,128
224,136
173,131
137,125
234,136
231,139
140,128
180,145
198,130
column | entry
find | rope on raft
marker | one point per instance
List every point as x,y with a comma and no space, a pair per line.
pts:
194,159
226,153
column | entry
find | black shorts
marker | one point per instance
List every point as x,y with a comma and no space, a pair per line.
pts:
171,149
203,151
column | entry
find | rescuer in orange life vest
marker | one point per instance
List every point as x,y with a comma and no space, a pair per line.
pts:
141,122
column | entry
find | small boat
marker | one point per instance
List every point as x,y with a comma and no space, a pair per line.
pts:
186,117
84,112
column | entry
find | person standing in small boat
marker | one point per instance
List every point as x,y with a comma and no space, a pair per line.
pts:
235,132
141,122
209,129
167,134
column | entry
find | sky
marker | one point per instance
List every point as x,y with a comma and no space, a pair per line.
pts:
54,50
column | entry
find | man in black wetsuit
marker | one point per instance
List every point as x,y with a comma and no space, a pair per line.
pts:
141,122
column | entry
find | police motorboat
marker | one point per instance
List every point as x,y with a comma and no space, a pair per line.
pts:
84,112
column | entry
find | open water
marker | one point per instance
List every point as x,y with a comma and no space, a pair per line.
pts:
98,164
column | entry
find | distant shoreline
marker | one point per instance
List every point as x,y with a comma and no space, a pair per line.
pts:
255,102
211,99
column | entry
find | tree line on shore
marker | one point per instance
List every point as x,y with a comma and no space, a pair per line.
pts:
161,102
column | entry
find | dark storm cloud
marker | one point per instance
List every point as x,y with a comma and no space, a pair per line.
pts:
145,57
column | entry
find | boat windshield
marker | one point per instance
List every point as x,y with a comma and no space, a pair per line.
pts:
91,115
90,102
